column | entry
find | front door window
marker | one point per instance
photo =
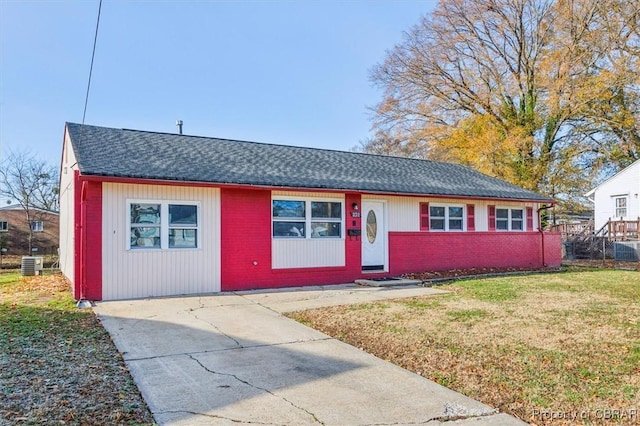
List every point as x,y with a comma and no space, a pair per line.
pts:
372,226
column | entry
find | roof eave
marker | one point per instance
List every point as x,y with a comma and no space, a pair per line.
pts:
175,182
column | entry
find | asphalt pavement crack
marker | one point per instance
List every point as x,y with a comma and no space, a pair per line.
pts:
313,416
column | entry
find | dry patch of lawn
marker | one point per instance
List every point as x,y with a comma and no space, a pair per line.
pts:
57,363
548,348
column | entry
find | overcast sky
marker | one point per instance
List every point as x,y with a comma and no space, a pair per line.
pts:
285,72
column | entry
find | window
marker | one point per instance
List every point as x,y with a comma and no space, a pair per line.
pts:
509,219
163,225
289,218
183,226
306,219
145,225
4,226
37,226
621,206
446,218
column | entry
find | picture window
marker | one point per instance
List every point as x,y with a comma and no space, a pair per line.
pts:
307,218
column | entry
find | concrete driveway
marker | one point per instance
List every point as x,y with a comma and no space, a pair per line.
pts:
233,358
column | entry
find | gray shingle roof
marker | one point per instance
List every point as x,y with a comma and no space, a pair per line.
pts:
126,153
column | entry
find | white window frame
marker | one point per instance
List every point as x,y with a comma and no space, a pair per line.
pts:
37,226
447,218
617,209
164,224
308,219
510,219
4,226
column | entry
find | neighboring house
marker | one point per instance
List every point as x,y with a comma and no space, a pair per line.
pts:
616,198
154,214
14,231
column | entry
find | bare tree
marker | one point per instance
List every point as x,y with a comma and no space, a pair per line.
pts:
554,82
30,182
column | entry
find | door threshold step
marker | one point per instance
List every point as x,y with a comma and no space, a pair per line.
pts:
386,282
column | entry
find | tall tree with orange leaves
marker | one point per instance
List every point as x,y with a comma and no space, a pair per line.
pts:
541,93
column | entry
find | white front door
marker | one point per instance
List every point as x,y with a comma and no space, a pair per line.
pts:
374,236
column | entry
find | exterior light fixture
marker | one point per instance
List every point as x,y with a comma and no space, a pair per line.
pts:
354,206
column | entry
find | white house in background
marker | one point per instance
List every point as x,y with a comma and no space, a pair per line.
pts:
617,197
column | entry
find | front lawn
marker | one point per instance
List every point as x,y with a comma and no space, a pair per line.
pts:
547,348
57,363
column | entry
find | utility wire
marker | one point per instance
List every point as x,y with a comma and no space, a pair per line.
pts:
93,54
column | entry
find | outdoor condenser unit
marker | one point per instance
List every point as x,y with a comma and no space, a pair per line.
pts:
31,265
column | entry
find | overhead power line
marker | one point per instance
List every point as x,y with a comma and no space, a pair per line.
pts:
93,54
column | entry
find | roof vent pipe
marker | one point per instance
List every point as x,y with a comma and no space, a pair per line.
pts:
179,125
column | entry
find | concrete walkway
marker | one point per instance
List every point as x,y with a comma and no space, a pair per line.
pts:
233,358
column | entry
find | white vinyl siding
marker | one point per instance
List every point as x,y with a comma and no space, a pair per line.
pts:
404,212
624,184
67,212
305,251
143,273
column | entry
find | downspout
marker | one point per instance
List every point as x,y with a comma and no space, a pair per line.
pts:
544,207
83,302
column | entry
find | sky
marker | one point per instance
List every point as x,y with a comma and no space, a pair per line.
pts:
283,72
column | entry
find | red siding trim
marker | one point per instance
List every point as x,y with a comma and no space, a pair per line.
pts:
424,216
492,217
529,219
471,217
78,250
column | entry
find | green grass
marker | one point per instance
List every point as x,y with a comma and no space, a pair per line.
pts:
467,314
564,342
57,364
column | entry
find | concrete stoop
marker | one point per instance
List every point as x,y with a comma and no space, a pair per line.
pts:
387,282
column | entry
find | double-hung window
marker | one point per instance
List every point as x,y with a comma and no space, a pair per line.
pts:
307,218
446,218
509,219
37,226
620,206
4,226
162,225
183,226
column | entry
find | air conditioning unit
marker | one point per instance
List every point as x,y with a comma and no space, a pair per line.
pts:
626,251
31,265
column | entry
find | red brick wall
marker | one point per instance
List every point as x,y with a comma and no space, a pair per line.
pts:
423,251
246,238
88,275
16,239
244,210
